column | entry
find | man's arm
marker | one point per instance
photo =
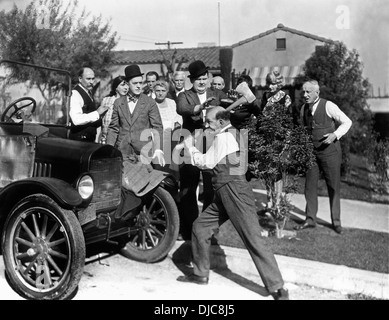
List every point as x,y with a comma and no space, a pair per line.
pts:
340,118
76,113
223,145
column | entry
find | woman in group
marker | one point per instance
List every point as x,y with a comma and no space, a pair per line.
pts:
275,96
171,120
119,88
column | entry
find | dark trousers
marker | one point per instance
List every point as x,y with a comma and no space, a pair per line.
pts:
234,201
188,208
328,161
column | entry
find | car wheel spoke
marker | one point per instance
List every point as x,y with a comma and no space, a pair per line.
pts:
23,241
35,223
54,265
52,231
156,231
28,231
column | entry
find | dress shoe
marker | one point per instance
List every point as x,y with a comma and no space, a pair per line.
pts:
338,229
305,225
280,294
192,278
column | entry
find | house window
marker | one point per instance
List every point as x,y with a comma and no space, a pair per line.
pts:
281,44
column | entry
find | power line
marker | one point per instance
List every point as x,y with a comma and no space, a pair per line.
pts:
132,40
167,43
136,36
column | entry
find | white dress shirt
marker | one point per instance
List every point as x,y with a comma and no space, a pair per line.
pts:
223,145
76,113
335,113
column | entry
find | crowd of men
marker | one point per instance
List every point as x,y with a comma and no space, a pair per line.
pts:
136,104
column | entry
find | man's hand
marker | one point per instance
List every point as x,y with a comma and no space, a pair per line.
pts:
189,142
102,109
199,107
329,138
159,156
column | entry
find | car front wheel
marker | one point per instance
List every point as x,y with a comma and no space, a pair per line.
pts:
155,229
43,249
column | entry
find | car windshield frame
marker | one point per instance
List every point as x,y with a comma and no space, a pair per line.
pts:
67,92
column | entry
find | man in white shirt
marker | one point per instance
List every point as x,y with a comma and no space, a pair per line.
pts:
326,123
233,200
85,117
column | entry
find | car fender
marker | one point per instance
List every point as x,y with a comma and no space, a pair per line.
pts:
60,191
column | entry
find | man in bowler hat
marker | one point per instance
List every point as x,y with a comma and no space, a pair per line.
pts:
131,115
191,106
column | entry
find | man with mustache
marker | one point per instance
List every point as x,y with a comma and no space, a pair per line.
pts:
191,106
326,123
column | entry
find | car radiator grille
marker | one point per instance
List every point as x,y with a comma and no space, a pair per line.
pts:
107,176
42,169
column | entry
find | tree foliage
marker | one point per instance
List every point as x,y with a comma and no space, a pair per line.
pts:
277,145
52,34
339,73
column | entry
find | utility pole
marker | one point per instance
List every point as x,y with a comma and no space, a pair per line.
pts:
218,11
167,43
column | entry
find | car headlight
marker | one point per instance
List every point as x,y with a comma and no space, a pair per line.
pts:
85,187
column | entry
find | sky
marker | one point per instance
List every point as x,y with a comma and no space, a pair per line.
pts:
360,24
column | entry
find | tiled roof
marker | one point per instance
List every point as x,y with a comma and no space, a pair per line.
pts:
209,55
281,27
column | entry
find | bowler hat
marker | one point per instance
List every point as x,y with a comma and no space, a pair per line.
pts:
132,71
197,68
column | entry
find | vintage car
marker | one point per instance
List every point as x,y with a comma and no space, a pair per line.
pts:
58,197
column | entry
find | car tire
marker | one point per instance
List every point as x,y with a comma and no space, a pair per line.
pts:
155,229
43,249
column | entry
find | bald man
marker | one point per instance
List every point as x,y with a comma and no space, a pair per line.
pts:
85,117
234,200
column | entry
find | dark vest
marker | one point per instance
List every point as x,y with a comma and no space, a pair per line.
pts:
85,132
233,167
318,125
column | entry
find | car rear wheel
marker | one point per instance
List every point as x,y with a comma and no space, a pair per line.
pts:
155,229
43,249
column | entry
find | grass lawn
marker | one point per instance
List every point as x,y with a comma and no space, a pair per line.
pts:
356,248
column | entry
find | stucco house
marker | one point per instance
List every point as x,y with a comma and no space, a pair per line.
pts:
281,48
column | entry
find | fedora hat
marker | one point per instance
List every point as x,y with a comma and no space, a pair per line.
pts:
132,71
196,69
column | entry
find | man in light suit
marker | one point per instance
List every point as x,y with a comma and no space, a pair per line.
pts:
191,106
132,116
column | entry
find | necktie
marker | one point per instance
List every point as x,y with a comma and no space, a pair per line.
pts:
90,94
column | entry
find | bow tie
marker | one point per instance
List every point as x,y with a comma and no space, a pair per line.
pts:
132,98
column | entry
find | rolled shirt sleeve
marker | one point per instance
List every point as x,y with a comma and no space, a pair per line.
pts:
340,118
223,145
76,113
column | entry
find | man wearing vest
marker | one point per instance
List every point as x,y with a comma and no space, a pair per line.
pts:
321,117
85,117
234,200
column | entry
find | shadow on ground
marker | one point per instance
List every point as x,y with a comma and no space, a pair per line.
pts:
182,258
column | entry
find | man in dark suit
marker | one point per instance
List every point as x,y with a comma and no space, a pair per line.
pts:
133,118
191,106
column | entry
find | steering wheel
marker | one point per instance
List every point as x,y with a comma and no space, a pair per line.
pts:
17,109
